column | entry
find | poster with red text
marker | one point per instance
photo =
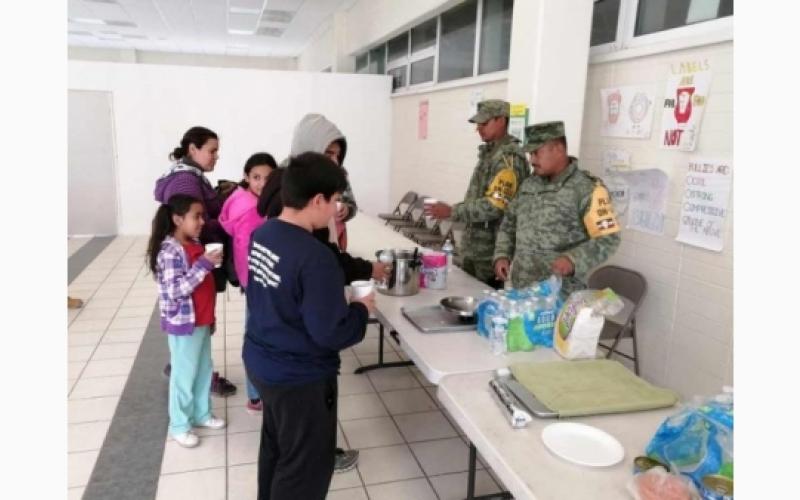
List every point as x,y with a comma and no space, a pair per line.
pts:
684,101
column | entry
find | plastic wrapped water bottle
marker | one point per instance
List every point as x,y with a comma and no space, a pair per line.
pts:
499,331
448,249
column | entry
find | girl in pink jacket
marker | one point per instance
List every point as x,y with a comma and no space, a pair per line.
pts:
239,218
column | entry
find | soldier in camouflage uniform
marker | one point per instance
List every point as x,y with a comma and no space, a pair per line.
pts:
500,171
561,222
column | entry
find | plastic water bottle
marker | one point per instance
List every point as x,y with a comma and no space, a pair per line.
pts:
448,250
499,331
486,311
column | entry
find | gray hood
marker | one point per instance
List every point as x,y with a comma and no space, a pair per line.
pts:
313,134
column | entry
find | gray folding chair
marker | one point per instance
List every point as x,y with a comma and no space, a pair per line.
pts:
403,209
416,216
631,286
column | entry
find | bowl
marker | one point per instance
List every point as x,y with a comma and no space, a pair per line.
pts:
460,306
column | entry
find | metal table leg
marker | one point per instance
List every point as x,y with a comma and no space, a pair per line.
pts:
380,363
473,459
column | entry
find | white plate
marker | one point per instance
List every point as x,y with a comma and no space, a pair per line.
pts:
583,444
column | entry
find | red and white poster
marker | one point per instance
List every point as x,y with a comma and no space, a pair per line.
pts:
627,112
684,101
422,123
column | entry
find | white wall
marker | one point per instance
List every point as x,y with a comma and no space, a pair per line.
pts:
251,110
179,59
320,52
686,324
441,165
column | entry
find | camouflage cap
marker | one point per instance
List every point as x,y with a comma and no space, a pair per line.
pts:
489,109
539,133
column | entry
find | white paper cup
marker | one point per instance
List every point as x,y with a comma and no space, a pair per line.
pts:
213,247
361,288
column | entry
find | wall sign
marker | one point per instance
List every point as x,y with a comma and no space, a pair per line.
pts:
627,112
705,204
684,101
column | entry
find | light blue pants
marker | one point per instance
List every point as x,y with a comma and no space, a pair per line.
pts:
190,380
252,392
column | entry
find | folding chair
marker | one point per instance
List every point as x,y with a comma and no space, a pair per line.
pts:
403,208
416,216
631,286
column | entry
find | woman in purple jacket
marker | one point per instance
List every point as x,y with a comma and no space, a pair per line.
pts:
197,154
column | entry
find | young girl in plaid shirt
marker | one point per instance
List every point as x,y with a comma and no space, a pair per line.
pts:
186,299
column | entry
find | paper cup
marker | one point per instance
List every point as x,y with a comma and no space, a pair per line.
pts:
213,247
361,288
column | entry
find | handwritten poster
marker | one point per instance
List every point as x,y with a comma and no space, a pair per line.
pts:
705,204
627,112
619,191
647,199
422,123
474,98
684,101
616,159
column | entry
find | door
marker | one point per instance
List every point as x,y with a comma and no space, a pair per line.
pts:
91,179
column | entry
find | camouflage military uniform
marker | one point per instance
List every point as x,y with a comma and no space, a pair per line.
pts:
483,208
570,215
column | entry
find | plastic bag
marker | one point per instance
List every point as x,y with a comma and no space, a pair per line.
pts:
580,322
658,484
698,441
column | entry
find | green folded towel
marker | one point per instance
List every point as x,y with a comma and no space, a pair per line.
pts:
590,387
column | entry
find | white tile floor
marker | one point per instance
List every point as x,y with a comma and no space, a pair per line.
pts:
409,448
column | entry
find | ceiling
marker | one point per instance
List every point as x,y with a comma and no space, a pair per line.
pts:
276,28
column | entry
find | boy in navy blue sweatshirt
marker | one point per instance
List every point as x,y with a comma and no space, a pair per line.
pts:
299,321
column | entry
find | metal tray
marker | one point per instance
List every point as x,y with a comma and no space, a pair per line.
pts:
434,319
525,398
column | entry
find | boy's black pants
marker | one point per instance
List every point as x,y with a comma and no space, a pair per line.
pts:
298,439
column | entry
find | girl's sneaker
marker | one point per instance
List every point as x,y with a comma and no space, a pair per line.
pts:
186,439
212,423
255,406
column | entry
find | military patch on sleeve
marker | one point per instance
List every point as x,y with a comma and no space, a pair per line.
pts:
600,219
502,188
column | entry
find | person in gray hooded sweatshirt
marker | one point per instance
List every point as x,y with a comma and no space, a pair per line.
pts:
317,134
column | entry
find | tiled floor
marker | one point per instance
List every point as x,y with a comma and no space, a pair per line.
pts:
410,449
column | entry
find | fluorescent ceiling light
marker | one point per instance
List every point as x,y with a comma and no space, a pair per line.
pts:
244,10
86,20
241,32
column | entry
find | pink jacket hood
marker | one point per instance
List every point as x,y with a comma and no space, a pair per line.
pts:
239,218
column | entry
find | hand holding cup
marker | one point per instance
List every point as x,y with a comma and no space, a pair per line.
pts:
214,253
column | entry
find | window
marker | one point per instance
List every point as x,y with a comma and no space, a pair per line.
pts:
361,63
495,35
472,38
397,47
398,77
377,60
423,36
457,42
658,15
604,21
422,71
623,24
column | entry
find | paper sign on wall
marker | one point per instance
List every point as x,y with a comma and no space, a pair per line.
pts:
705,204
627,112
518,121
422,123
647,199
616,159
684,101
474,98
